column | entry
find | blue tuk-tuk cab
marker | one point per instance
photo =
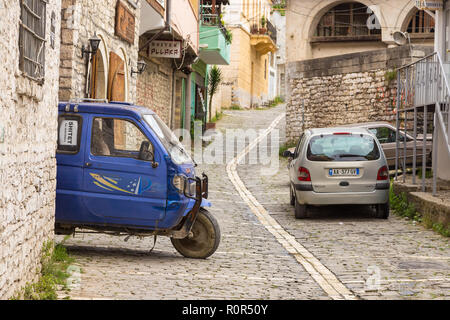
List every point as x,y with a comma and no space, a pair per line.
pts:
122,171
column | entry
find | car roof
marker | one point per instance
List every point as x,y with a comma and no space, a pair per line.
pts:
368,124
111,108
354,130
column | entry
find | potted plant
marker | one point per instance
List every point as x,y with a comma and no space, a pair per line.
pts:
263,29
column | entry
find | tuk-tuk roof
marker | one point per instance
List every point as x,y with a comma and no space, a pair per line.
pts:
112,108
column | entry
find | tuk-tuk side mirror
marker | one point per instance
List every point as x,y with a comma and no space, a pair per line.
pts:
144,153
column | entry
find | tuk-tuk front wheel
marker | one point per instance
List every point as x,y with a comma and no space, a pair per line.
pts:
203,239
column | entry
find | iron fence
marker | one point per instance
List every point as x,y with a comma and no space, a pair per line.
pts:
422,88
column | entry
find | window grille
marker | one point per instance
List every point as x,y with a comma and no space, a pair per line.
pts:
346,20
32,38
421,22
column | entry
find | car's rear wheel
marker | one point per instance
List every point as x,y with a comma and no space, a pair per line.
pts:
203,239
301,211
292,196
382,210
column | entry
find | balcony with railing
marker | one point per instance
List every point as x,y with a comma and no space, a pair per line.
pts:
263,36
215,39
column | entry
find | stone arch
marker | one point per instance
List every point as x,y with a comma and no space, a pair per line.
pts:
124,56
325,5
407,13
98,70
407,18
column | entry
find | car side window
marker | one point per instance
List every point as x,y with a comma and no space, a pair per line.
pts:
384,134
301,142
69,134
114,137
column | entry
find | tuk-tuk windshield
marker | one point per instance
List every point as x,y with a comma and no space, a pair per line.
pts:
168,139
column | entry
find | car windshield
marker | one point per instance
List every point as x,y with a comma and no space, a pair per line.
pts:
343,147
173,146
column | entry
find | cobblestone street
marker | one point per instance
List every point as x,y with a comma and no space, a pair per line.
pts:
346,248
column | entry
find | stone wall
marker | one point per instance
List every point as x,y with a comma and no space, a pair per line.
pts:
28,127
344,89
81,19
154,87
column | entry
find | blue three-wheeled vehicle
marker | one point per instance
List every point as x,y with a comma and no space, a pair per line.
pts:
122,171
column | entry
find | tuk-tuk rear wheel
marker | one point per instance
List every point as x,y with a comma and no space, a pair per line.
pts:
203,239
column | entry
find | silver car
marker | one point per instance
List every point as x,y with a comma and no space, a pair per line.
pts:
334,166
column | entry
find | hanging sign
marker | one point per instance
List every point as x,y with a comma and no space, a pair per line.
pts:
125,23
165,49
430,4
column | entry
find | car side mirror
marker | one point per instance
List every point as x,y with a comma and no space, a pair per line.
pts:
288,154
144,152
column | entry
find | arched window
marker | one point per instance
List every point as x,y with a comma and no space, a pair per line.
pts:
421,23
348,21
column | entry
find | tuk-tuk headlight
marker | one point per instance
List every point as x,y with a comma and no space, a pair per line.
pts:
179,182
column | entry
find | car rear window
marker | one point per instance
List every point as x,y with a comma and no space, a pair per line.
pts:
343,147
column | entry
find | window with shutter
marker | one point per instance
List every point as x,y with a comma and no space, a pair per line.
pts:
32,38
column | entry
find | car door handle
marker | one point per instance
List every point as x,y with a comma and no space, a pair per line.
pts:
88,164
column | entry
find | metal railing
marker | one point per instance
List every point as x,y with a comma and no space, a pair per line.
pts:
210,18
423,87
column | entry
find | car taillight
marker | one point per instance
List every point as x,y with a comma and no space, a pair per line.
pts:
383,173
303,174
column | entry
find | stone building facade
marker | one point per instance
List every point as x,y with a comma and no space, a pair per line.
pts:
108,75
164,86
28,126
351,88
323,28
154,86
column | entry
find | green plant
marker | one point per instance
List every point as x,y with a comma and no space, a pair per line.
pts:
228,37
217,117
215,78
428,173
278,100
235,107
263,22
400,205
54,261
390,76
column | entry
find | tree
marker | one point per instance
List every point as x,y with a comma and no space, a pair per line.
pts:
215,78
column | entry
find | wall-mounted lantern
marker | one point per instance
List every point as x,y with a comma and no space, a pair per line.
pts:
141,66
94,42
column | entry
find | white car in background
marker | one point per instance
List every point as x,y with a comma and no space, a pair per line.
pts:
338,166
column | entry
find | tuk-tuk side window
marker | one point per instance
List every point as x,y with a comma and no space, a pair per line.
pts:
113,137
69,134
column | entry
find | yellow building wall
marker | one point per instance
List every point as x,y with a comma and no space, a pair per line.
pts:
247,75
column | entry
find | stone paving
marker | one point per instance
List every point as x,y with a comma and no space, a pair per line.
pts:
250,263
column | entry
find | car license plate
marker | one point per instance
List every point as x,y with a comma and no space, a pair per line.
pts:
343,172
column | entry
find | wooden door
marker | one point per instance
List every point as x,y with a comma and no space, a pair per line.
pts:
116,91
116,78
